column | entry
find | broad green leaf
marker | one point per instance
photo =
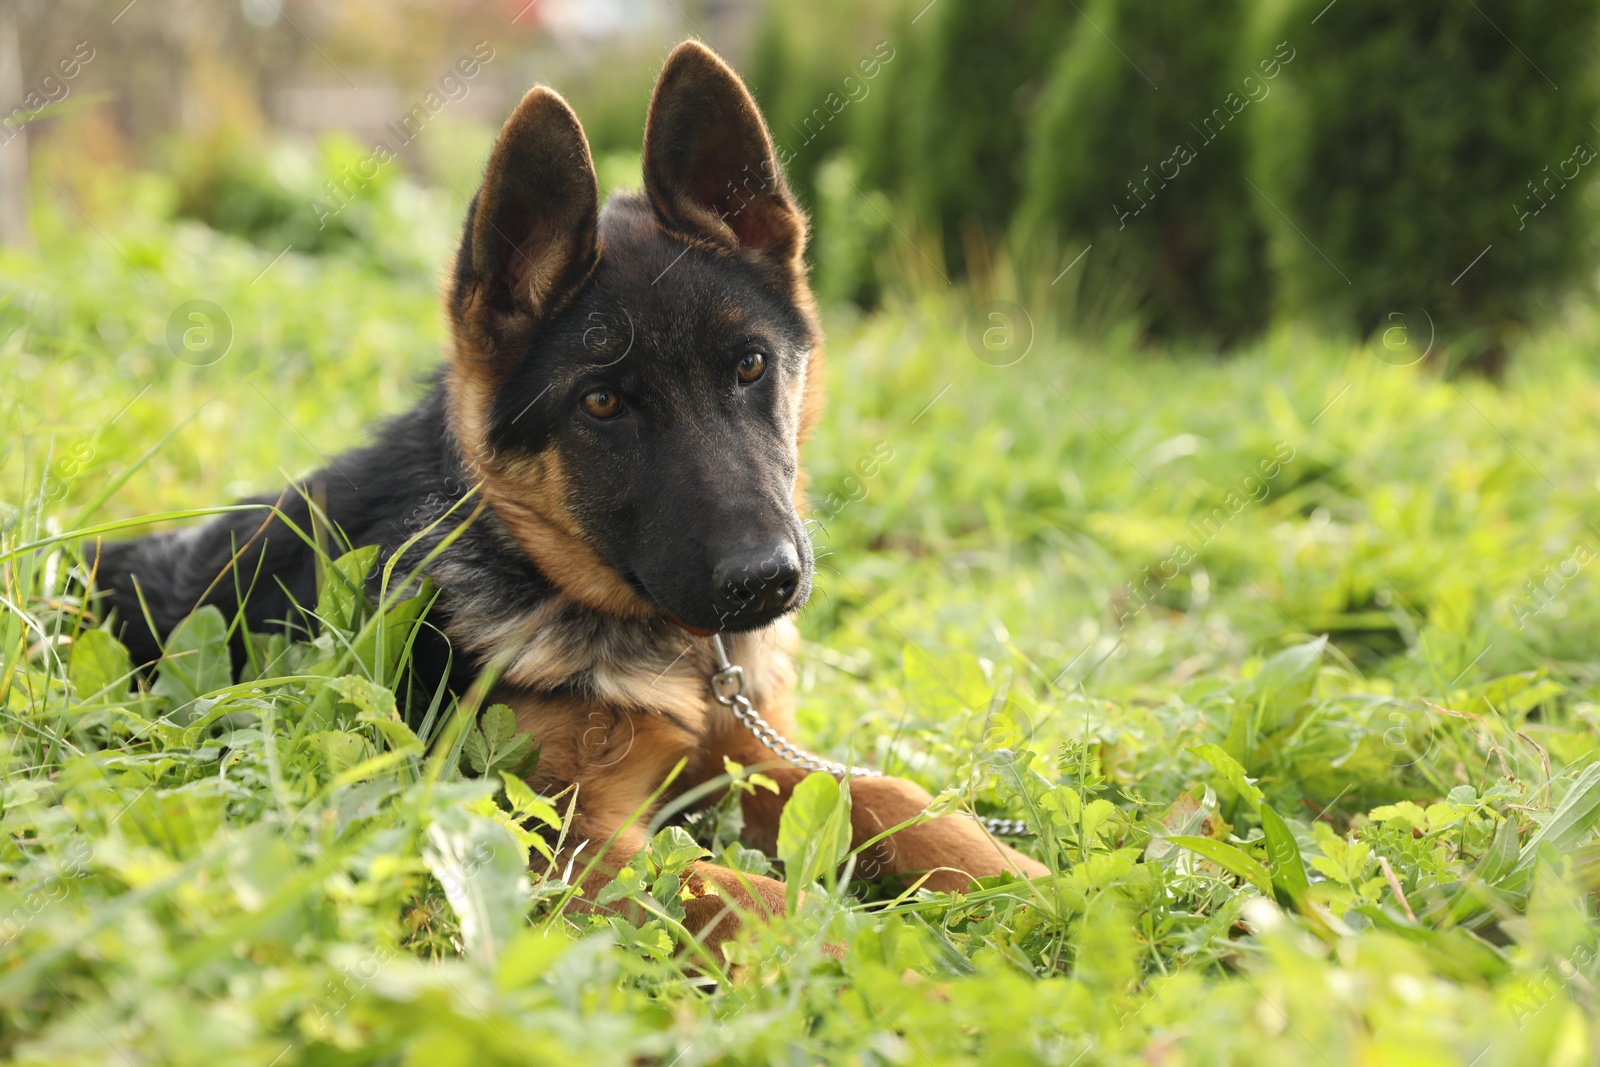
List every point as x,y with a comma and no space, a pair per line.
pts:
1064,806
399,736
196,660
99,664
1442,815
650,939
1343,861
376,706
383,641
629,882
1232,772
340,749
494,743
484,876
366,695
1097,815
745,860
526,804
1284,683
342,600
1230,859
813,832
1574,817
1288,869
1493,872
1502,855
672,850
1412,815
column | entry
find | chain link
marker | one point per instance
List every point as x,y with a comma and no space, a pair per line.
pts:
727,685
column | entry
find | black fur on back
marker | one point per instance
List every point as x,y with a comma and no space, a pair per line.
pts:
383,493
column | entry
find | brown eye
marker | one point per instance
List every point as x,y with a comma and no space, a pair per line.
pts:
752,367
602,404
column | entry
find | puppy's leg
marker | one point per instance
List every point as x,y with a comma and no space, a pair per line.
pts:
716,899
618,763
955,848
724,898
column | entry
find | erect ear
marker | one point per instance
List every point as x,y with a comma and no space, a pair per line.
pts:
709,167
530,233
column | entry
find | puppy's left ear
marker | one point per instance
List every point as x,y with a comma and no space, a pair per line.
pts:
530,237
709,166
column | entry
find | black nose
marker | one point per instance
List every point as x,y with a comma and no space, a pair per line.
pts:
757,580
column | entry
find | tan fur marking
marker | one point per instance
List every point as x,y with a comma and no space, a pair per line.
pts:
738,897
530,498
617,762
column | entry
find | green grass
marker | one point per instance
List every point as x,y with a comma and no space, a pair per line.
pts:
1375,848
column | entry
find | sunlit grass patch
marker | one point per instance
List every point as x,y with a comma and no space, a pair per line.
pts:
1324,790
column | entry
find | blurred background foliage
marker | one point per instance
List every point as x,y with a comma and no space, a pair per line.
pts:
1223,165
1230,163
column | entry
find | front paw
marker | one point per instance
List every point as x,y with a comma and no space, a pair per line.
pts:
718,901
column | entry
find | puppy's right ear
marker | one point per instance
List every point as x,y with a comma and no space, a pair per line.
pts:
529,241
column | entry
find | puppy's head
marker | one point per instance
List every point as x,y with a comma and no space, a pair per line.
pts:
631,385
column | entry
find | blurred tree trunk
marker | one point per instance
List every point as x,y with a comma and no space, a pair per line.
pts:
16,229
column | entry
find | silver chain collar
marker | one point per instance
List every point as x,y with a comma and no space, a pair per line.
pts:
727,685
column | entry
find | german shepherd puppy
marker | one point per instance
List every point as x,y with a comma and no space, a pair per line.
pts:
627,390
